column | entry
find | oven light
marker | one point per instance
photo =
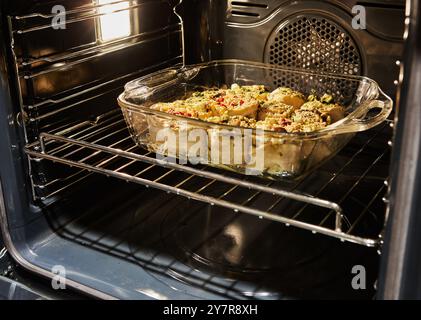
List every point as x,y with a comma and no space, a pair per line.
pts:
113,25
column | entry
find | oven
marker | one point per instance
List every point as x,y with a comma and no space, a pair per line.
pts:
80,200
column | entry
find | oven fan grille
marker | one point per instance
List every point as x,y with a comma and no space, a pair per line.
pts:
316,43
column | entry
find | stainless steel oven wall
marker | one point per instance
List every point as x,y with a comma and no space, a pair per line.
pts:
71,73
68,73
50,78
16,208
304,34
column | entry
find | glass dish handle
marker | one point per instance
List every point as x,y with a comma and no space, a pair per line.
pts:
362,121
143,87
153,80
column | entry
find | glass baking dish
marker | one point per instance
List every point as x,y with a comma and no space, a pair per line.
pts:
269,154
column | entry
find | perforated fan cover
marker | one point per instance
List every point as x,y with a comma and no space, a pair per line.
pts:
314,42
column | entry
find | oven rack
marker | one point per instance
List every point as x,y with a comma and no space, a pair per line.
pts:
104,146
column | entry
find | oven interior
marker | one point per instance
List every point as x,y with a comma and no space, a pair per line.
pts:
98,205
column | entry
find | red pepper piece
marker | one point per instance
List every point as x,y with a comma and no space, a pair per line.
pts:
285,122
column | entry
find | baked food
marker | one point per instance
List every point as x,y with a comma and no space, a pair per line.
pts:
282,110
246,109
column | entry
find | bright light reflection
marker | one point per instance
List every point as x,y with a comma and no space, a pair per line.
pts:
114,25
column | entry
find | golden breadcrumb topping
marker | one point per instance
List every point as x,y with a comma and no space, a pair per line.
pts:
282,110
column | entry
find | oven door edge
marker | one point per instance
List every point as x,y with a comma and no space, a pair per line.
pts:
400,276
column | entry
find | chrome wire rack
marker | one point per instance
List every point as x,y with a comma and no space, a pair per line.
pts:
341,200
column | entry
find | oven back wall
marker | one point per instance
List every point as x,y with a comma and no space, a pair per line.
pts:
301,34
